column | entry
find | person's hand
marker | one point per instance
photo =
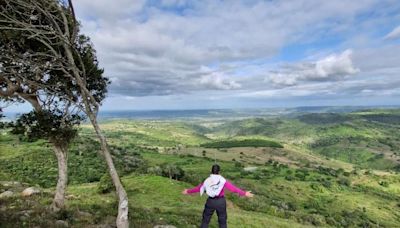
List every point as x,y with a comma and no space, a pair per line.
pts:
185,192
249,194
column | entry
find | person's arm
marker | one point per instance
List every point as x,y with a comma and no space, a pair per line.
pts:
231,187
193,190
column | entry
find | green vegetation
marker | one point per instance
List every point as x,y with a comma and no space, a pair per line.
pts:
34,163
340,173
242,143
324,118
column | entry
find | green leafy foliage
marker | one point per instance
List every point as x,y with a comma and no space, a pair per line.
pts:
105,184
172,171
48,125
242,143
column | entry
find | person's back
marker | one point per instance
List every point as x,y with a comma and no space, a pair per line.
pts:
214,187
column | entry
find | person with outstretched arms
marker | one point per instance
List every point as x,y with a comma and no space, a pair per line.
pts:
214,187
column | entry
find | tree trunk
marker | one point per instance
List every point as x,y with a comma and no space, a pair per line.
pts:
61,151
62,160
122,219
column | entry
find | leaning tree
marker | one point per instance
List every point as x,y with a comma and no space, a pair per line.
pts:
69,60
27,74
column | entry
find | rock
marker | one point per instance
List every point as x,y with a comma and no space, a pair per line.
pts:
10,183
30,191
71,197
105,226
6,194
24,215
164,226
61,223
84,214
250,169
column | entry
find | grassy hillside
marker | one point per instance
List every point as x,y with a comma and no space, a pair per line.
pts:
339,171
369,139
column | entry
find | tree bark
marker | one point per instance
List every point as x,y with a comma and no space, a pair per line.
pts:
122,218
62,160
61,152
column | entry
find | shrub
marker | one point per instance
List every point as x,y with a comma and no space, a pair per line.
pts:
312,219
384,184
155,170
316,187
238,164
242,143
193,177
289,177
244,173
326,183
172,171
340,171
344,181
105,184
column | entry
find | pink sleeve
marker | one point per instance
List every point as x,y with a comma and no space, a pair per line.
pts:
234,189
195,189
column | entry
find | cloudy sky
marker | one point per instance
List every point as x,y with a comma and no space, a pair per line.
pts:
185,54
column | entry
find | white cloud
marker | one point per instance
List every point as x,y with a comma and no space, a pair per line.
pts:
217,80
330,68
394,34
160,48
335,65
106,10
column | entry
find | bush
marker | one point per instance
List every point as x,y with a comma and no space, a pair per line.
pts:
346,174
289,177
172,171
326,183
344,181
384,184
316,187
105,184
242,143
155,170
312,219
194,178
238,164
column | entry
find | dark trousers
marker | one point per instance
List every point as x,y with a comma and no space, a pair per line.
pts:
216,204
